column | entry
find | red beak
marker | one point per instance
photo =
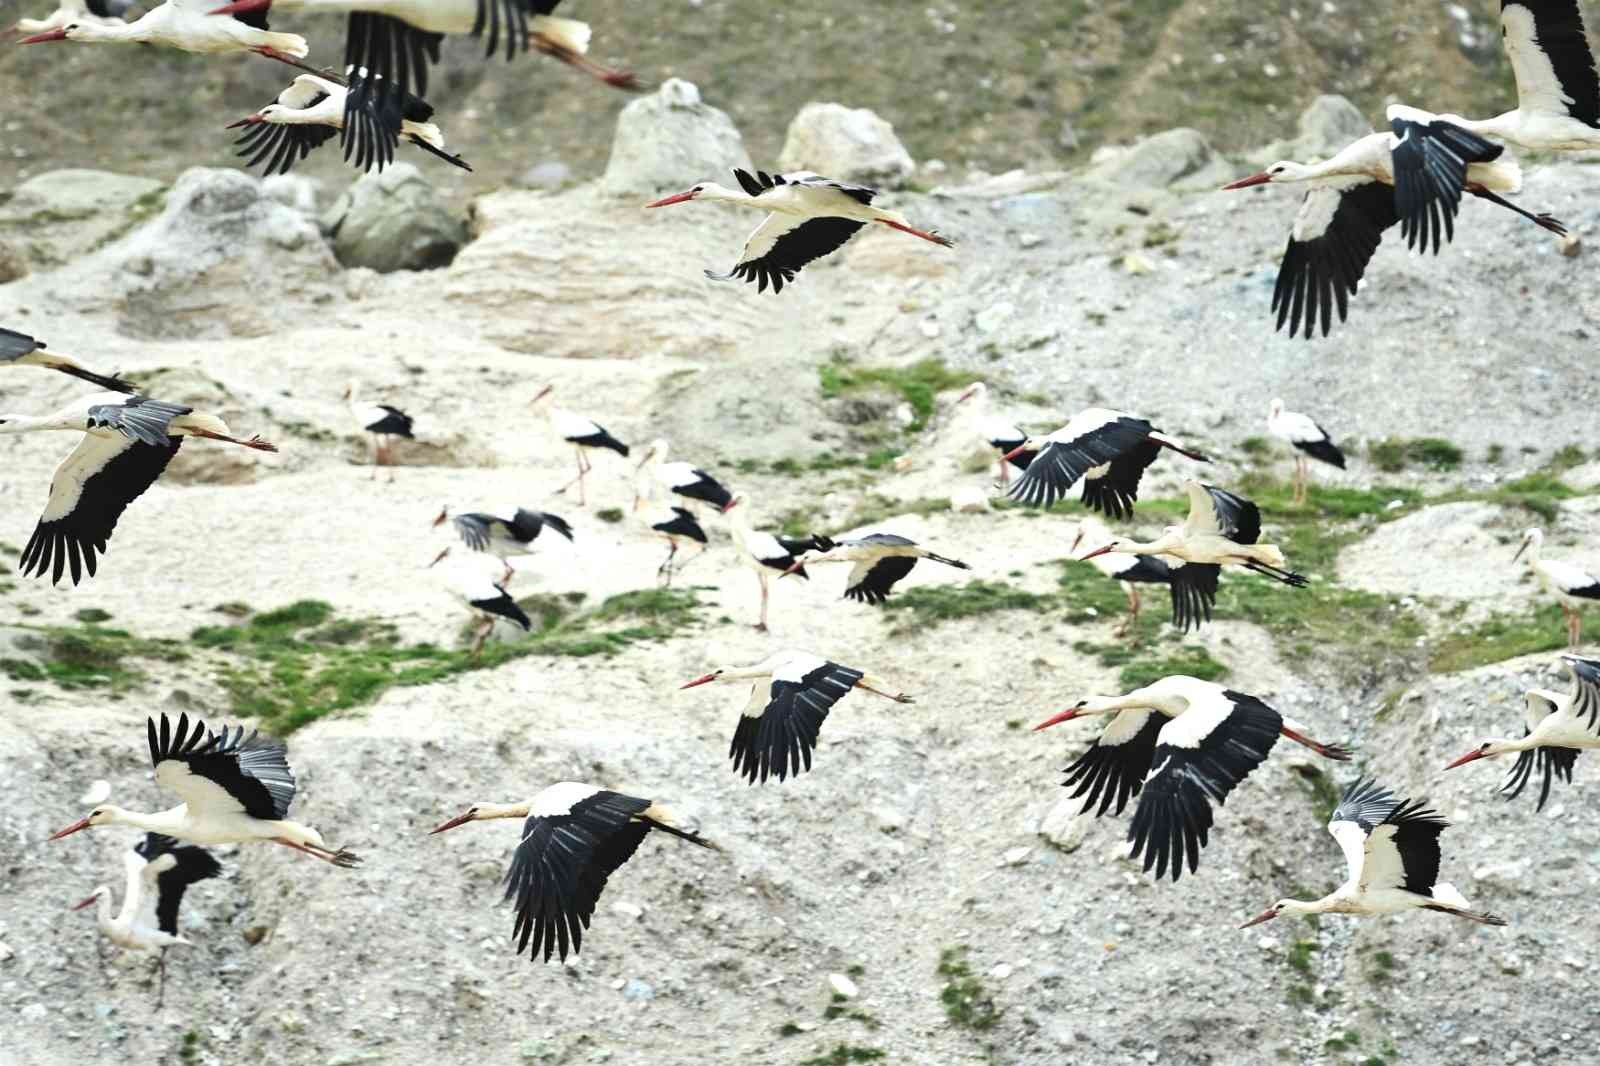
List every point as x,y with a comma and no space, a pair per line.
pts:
1064,716
41,38
1471,756
547,390
69,830
444,513
1097,551
731,505
1013,453
1265,916
1245,183
706,680
460,819
243,7
681,197
248,120
85,903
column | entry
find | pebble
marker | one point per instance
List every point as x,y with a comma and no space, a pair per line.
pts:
6,954
638,991
33,1012
1029,240
1064,826
628,910
843,986
1017,856
1001,971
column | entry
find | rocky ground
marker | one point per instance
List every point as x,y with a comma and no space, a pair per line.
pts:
929,857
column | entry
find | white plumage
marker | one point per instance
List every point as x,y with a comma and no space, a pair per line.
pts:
1572,586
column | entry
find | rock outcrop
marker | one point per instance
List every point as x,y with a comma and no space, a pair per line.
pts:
669,140
851,144
394,220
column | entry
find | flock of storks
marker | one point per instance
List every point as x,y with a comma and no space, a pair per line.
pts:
1175,748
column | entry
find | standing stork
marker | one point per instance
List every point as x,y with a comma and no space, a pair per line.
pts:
19,349
1572,586
1391,847
67,12
1558,90
681,526
383,422
1130,571
1307,438
574,838
128,440
501,537
998,432
187,26
474,588
158,872
1107,450
881,560
235,789
808,217
1414,175
1177,744
1557,726
580,432
312,109
790,697
680,479
767,554
1221,530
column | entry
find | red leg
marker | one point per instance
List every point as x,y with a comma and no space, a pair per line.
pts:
1331,751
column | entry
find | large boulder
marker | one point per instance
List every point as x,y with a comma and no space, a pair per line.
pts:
670,140
851,144
1180,158
394,220
1329,125
55,217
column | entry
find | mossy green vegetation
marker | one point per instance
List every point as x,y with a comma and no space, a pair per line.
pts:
88,656
967,1003
1393,454
1144,662
1498,638
844,1055
929,604
916,384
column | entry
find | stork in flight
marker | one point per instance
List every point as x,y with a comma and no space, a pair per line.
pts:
790,697
1414,175
1557,727
1177,744
158,872
1391,847
1306,437
110,12
19,349
1222,529
312,109
187,26
1573,587
235,789
880,561
1108,451
1131,571
128,440
580,432
574,838
808,217
501,537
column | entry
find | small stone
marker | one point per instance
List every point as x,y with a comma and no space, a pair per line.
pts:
255,934
1017,856
843,986
638,991
889,819
1064,826
994,316
929,328
628,910
1571,245
33,1012
6,954
1001,971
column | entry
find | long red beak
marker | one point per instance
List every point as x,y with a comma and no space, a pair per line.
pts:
1013,453
681,197
1520,550
731,505
85,903
243,7
1245,183
1265,916
460,819
706,680
41,38
69,830
1064,716
1098,551
548,389
438,557
248,120
1471,756
443,514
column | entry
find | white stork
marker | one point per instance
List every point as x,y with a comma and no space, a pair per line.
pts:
996,431
19,349
128,440
574,838
1391,847
312,109
678,478
1556,727
1107,450
881,560
766,554
1414,175
1222,529
235,789
501,537
809,216
1177,744
1130,571
1573,587
580,432
158,872
1558,90
1303,434
679,527
67,12
473,587
188,26
383,422
790,697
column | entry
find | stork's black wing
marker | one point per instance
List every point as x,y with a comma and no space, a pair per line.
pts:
778,249
1430,175
1334,238
253,770
1115,766
1194,593
190,864
280,144
780,740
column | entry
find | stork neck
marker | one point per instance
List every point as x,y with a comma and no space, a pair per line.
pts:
1161,544
31,423
135,32
714,191
503,810
167,822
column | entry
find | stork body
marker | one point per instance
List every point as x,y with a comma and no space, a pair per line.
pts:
1391,849
1108,451
1177,744
1557,726
502,538
574,837
188,26
235,789
19,349
1572,586
677,526
384,422
475,589
791,693
1307,438
880,561
808,217
996,431
581,433
128,440
1130,571
678,478
765,554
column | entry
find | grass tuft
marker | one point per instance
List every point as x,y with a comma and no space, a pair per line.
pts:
1499,638
916,384
966,1002
1393,454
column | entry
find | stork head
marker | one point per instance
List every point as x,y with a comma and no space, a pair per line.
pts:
656,449
1268,914
98,894
704,189
437,559
72,31
479,812
543,394
972,392
101,815
253,120
1282,171
1532,538
444,516
1114,546
1487,750
732,503
705,679
1032,444
243,7
1275,408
